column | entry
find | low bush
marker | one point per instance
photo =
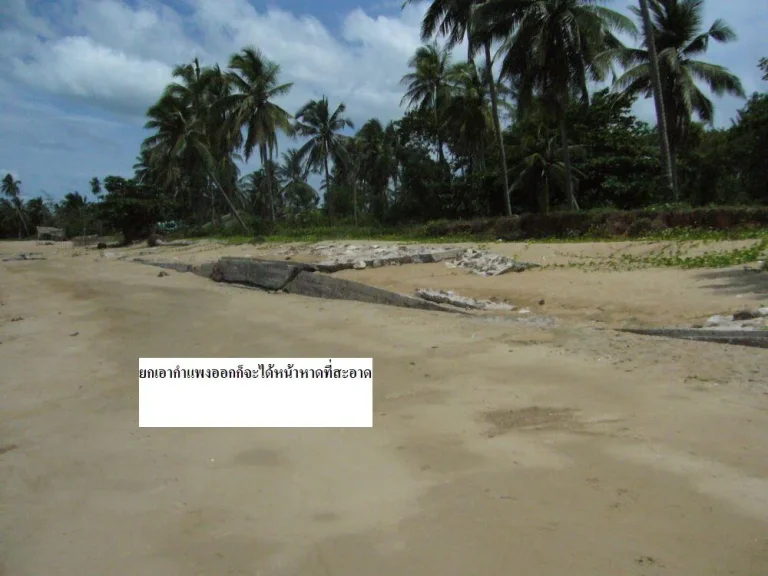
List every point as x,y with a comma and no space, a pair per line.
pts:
601,224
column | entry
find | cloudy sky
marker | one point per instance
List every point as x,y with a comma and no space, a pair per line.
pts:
77,75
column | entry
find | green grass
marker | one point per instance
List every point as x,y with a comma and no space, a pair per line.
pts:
675,256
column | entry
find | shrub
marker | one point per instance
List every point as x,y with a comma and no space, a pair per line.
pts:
617,224
640,227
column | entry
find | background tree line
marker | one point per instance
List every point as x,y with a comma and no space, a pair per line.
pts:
514,127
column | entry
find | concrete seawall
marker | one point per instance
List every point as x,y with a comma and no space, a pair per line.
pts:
295,278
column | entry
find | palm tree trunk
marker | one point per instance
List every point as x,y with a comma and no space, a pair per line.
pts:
661,118
440,152
229,203
267,155
567,161
328,197
354,196
497,127
470,58
23,222
673,164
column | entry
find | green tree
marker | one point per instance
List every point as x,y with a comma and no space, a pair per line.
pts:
12,189
658,95
468,116
37,212
95,186
428,86
315,121
679,40
292,174
256,84
131,208
543,168
374,169
181,145
552,49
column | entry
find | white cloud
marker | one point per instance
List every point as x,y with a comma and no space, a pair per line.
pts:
78,66
78,74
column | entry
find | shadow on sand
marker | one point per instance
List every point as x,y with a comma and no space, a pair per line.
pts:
737,281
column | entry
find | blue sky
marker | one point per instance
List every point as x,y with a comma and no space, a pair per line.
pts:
77,75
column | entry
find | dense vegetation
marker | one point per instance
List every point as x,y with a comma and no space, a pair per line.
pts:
470,144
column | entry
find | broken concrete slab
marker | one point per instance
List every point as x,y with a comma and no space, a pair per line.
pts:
267,275
757,339
295,278
453,299
25,256
323,286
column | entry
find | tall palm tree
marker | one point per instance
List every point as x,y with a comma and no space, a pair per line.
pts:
679,39
374,164
455,20
449,18
12,189
553,48
658,96
315,121
468,115
394,151
292,174
256,84
181,141
428,87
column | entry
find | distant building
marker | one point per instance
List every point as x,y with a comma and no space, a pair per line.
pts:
47,233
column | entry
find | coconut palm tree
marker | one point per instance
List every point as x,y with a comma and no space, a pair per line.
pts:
543,168
12,189
428,86
292,174
658,95
255,80
455,20
449,18
374,166
679,39
181,143
394,152
468,115
315,121
552,49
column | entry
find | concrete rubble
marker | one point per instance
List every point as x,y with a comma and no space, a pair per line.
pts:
742,320
341,256
453,299
485,263
743,328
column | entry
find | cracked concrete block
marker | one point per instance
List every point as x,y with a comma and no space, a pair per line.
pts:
446,255
324,286
267,275
756,338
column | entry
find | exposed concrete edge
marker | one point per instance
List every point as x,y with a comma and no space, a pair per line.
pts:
756,338
319,285
205,270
